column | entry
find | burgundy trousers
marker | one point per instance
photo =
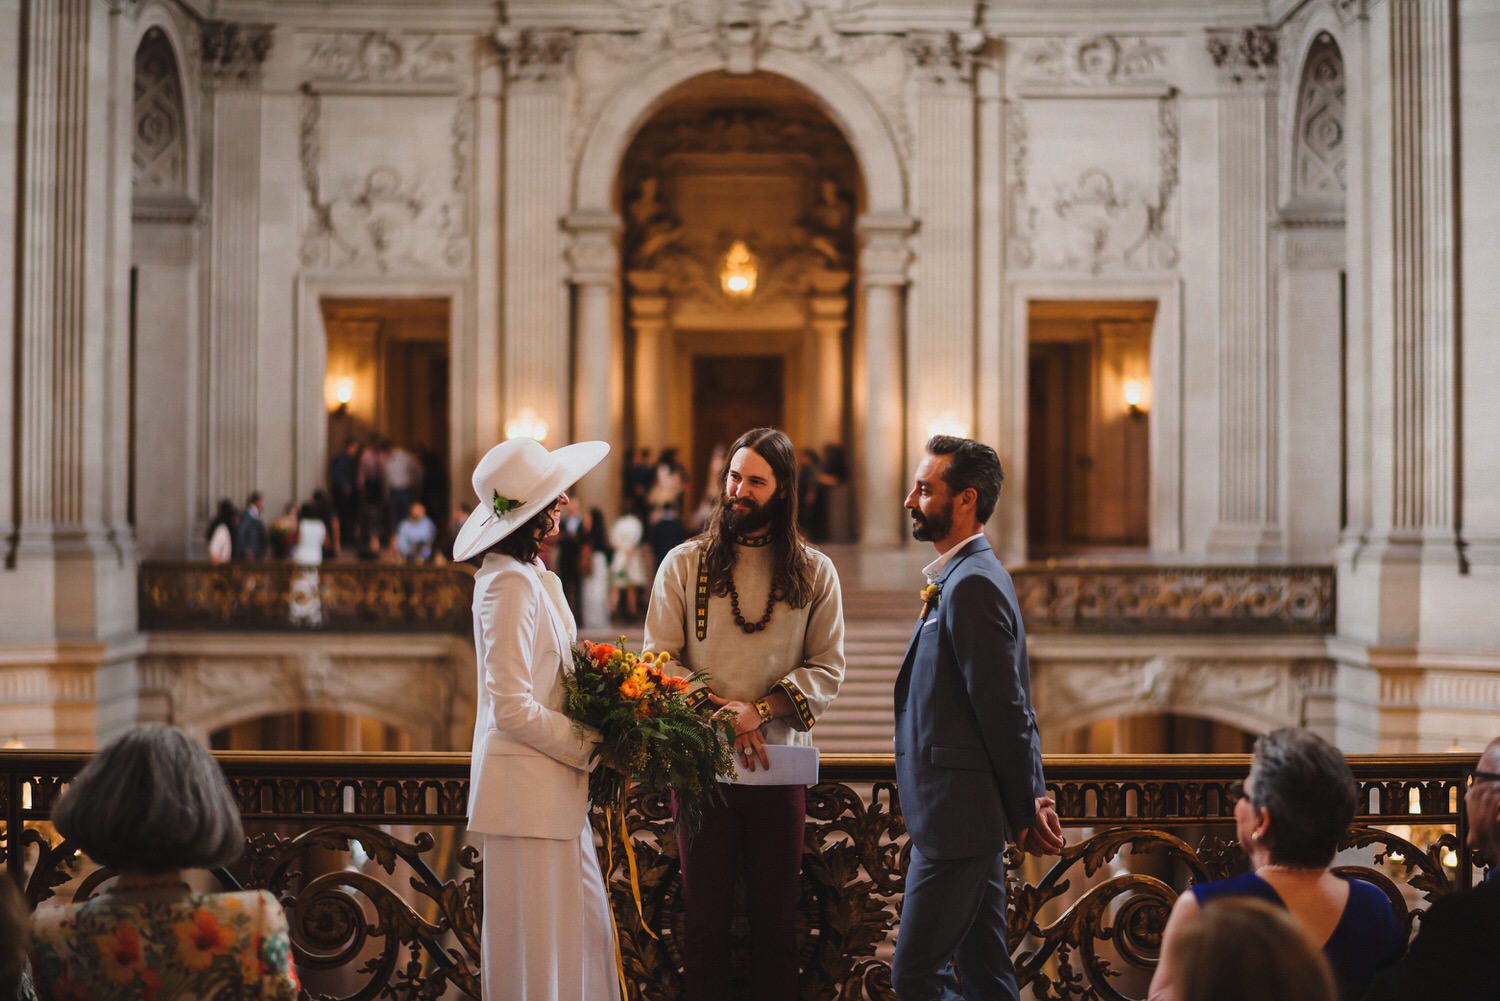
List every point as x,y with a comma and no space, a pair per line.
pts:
757,834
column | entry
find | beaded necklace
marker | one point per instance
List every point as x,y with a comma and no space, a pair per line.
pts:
734,594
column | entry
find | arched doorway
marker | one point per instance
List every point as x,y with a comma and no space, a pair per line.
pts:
738,200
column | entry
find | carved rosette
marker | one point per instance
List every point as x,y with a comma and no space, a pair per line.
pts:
535,56
1246,56
379,57
234,52
1094,61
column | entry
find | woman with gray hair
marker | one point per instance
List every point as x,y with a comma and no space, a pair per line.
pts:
149,805
1295,808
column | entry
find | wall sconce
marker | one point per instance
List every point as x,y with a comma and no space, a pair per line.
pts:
738,276
527,424
948,422
343,391
1135,396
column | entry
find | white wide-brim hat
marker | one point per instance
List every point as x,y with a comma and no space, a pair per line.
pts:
515,480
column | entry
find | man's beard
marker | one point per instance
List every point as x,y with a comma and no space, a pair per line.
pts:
745,522
931,527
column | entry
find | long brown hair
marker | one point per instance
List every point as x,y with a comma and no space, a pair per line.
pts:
1245,950
792,567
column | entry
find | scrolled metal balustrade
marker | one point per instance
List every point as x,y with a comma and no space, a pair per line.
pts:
405,923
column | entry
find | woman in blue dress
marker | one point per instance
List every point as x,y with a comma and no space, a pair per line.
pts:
1296,807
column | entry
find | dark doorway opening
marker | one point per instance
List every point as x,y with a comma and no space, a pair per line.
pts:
731,395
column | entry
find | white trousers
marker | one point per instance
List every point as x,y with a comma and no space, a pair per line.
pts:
547,934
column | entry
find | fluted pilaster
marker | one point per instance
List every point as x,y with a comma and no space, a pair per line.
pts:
536,355
1249,520
940,358
233,54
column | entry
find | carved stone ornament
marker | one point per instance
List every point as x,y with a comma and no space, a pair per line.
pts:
535,55
1094,221
234,51
378,57
1094,60
159,154
943,57
815,27
1318,174
1244,56
386,217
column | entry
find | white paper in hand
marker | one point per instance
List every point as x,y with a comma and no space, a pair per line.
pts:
790,766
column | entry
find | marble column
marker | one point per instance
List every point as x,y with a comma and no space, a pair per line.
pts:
598,370
232,58
535,300
1249,525
884,259
828,310
650,329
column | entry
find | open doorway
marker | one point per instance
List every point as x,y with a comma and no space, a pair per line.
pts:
387,396
731,395
1088,426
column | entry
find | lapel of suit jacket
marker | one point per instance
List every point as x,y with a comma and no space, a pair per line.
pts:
903,678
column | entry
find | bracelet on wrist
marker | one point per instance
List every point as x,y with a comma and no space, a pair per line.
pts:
763,708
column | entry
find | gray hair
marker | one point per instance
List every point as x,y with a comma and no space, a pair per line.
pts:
1306,785
152,800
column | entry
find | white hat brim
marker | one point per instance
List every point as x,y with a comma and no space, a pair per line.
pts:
483,528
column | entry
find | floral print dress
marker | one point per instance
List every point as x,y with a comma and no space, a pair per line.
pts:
164,946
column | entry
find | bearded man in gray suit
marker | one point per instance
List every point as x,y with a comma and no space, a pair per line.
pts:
968,755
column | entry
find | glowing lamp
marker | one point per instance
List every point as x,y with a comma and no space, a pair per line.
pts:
1135,398
948,422
739,274
526,424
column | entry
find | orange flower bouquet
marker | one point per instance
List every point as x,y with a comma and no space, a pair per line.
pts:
650,735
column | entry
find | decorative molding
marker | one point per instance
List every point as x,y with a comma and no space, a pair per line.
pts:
235,52
743,30
380,58
1247,55
386,217
941,58
1094,61
535,56
1177,600
159,152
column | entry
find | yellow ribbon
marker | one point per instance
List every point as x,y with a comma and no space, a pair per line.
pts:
614,817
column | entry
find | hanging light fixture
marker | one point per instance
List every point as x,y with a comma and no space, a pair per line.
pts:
738,275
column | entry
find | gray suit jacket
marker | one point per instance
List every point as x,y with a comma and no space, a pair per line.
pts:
968,754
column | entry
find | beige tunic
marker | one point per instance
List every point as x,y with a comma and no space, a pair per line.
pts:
801,650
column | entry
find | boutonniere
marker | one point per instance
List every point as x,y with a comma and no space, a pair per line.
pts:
931,595
504,505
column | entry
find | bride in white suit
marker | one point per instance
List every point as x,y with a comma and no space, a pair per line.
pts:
547,933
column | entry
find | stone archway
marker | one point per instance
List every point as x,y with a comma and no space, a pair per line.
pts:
882,257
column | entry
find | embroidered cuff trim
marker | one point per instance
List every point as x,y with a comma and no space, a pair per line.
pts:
799,703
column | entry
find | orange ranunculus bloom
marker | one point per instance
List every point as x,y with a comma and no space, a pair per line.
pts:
120,953
201,939
630,689
603,652
675,683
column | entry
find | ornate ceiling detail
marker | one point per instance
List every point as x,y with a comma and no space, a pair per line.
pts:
943,57
1244,56
234,51
159,156
816,27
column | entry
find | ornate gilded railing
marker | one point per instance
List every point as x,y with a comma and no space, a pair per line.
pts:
399,597
1173,599
400,917
337,596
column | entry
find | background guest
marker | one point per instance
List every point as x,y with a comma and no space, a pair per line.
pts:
629,567
1450,959
283,533
416,535
221,533
149,805
593,563
403,480
306,608
328,515
250,534
1297,805
15,940
1247,950
343,479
